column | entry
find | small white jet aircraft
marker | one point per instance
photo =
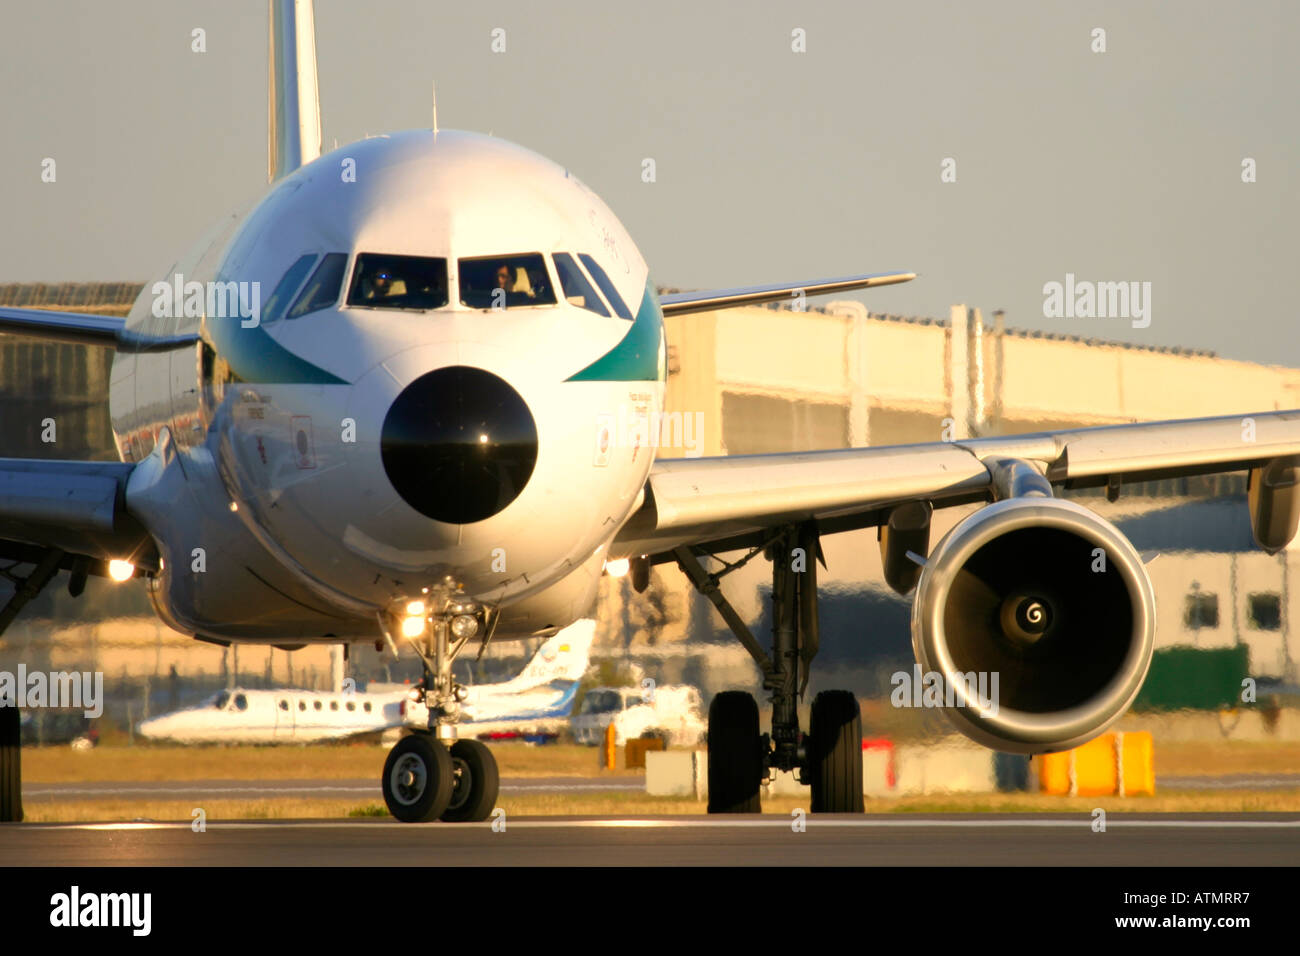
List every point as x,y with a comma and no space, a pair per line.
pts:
240,715
545,688
409,434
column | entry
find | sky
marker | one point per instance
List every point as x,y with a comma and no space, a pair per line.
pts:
770,163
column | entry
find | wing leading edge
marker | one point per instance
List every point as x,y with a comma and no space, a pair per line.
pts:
720,501
680,303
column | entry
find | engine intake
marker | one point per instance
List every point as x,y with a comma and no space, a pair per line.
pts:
1056,602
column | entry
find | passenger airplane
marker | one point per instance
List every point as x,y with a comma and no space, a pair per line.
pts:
544,689
410,437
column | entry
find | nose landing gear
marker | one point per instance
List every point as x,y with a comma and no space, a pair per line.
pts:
430,775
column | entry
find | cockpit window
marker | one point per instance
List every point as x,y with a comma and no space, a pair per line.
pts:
283,292
241,702
601,702
222,700
505,282
322,289
607,287
577,290
398,282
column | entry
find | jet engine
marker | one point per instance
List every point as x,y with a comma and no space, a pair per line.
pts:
1052,605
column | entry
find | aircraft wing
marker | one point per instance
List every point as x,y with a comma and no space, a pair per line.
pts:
81,328
76,327
678,303
729,502
63,515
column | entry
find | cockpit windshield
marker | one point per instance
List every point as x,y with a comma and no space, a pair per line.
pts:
398,282
577,290
601,702
505,282
222,700
322,289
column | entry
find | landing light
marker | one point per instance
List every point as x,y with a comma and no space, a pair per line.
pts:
617,568
415,609
464,625
121,570
413,626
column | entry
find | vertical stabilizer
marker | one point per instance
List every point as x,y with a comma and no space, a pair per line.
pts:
564,657
293,128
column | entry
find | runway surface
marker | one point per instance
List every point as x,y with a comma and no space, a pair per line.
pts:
367,789
360,789
1233,781
892,839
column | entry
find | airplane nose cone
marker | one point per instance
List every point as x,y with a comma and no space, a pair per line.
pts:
459,444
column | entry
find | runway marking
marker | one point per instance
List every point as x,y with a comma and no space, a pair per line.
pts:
1233,782
777,822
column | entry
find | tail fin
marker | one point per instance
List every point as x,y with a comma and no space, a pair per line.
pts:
563,657
293,128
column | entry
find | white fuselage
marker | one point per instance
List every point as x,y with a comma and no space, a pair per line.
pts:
267,479
278,716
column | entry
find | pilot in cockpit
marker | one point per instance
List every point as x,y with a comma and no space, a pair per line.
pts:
381,284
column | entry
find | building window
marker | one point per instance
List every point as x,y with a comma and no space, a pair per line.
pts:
1201,611
1264,612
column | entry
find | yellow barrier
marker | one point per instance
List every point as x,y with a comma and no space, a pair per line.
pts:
634,751
609,751
1112,764
1137,760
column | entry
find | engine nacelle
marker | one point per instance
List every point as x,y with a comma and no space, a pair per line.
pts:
1054,601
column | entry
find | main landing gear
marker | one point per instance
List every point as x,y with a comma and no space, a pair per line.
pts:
430,775
829,757
11,773
45,565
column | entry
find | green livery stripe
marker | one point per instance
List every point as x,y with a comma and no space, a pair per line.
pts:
257,358
636,357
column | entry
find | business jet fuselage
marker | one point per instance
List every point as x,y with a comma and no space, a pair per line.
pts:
337,465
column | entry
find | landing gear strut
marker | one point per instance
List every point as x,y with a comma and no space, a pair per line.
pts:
11,775
46,565
829,758
430,775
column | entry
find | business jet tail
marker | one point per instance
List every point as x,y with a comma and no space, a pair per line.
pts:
293,128
564,657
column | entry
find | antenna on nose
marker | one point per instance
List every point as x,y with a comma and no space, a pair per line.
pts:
433,88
